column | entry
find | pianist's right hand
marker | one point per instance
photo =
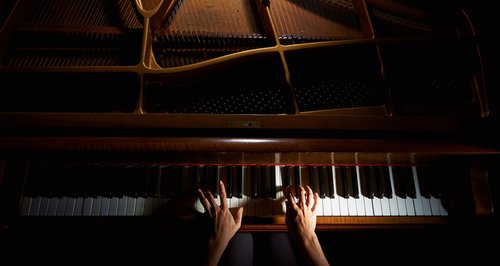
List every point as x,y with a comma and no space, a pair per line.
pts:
301,223
223,224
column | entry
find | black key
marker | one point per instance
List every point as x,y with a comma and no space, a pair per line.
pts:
341,182
323,181
329,175
376,180
365,179
213,179
407,173
263,181
191,174
272,182
285,175
313,178
296,180
239,181
385,181
399,181
253,173
352,181
424,181
153,181
165,181
228,177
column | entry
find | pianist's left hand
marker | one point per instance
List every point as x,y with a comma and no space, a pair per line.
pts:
223,224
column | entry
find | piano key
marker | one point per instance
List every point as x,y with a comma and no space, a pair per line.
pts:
87,206
285,172
279,198
239,181
398,196
296,179
323,181
249,191
139,206
44,206
334,198
35,206
252,174
70,207
272,181
105,204
26,205
131,204
96,206
113,206
153,181
386,183
122,206
341,186
228,180
78,211
341,191
395,203
366,187
61,206
363,203
149,206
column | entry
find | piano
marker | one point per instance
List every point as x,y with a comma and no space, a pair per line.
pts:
113,113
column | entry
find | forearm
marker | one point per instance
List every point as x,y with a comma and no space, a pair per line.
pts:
312,251
214,252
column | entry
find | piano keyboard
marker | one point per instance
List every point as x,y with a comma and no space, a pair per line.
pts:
115,189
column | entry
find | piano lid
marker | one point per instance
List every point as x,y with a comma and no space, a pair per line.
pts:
288,64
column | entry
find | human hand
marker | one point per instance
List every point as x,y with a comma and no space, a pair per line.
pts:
223,224
301,223
301,216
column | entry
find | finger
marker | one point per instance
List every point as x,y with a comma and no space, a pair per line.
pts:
302,199
290,200
239,216
223,199
212,201
204,202
316,198
309,200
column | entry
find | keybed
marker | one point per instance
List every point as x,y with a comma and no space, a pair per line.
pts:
352,184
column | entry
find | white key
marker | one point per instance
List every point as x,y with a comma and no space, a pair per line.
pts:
113,206
44,207
25,208
149,205
435,208
96,206
363,204
52,209
131,204
377,206
442,209
389,206
35,206
277,203
396,204
334,202
61,206
78,207
139,207
122,206
345,207
418,201
105,201
70,207
87,206
410,209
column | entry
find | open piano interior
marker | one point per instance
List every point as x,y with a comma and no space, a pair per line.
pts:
113,114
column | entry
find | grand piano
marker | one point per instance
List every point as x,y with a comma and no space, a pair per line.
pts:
113,113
